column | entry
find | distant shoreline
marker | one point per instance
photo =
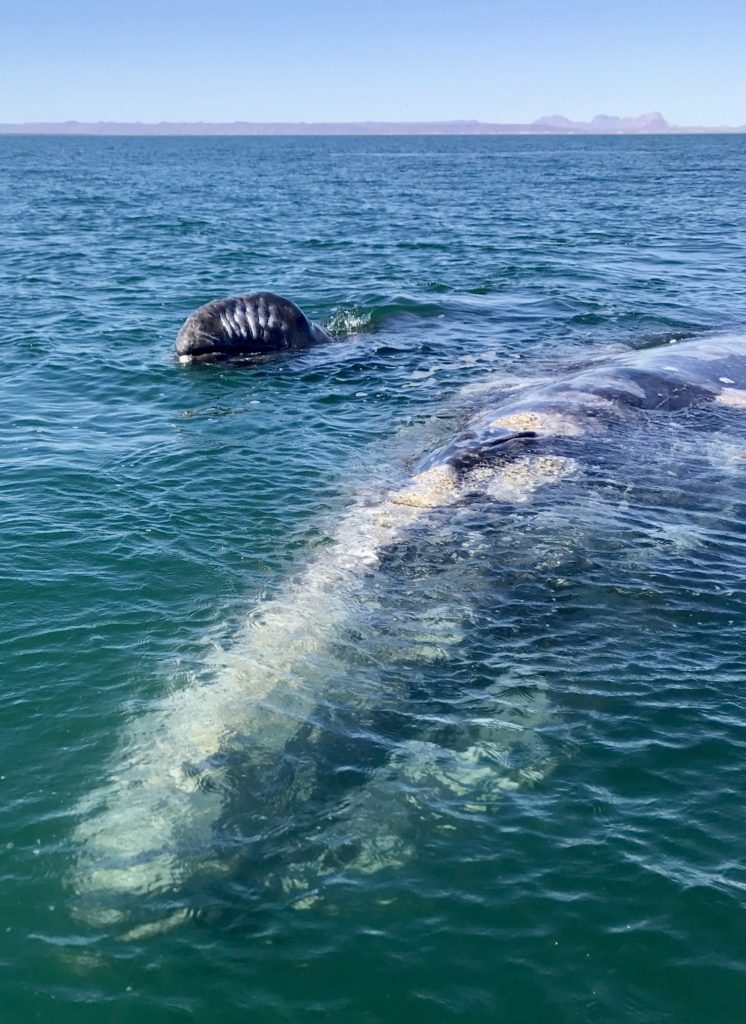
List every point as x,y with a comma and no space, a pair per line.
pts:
365,128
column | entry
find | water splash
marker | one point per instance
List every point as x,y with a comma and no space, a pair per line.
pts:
348,320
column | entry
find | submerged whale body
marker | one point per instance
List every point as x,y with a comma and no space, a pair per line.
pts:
152,827
668,378
260,323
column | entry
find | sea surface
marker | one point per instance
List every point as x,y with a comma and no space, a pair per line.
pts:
496,772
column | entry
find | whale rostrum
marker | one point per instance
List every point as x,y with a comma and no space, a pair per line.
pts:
260,323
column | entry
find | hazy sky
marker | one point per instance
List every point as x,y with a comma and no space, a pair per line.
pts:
353,60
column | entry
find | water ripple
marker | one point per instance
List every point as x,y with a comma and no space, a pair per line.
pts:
513,786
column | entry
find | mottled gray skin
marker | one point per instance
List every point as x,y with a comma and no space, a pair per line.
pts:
669,377
246,325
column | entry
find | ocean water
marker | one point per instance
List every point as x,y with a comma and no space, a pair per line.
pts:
256,767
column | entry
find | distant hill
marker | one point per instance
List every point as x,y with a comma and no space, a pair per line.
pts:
556,121
605,124
555,124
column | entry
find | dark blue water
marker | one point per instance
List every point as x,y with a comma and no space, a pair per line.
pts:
495,771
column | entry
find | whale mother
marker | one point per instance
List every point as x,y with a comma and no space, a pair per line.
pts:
259,323
667,377
156,821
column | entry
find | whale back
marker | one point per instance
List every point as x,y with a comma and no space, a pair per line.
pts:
669,378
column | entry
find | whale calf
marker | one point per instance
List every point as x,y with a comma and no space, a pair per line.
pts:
150,828
260,323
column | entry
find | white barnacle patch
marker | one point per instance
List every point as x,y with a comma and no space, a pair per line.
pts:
185,359
430,489
517,481
734,398
553,423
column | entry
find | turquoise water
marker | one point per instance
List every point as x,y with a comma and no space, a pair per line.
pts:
165,529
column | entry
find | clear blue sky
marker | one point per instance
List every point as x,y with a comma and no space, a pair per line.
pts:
342,60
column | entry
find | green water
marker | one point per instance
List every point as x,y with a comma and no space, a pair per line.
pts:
158,520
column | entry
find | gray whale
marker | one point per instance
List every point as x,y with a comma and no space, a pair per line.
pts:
149,827
260,323
668,377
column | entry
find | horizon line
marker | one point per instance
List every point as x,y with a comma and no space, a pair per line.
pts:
554,125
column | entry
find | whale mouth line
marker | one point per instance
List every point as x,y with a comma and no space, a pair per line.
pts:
216,355
203,356
208,355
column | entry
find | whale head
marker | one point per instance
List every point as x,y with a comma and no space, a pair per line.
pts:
245,325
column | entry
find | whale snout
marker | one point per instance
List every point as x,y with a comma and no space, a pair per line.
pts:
244,325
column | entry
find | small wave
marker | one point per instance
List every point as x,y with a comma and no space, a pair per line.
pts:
359,319
350,320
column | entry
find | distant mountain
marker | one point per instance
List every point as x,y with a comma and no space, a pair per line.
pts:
555,121
555,124
604,124
654,122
